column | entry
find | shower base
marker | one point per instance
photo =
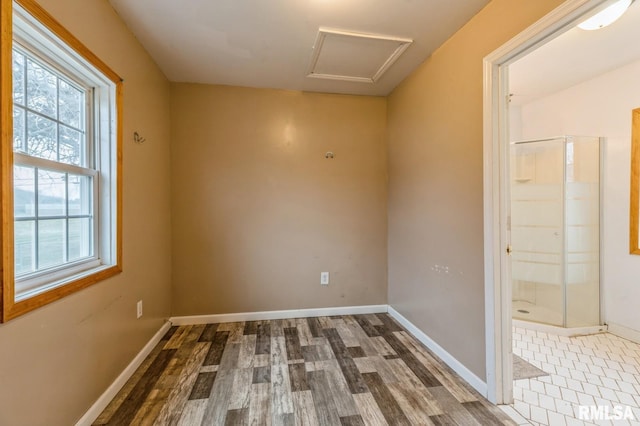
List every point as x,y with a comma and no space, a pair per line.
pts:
539,318
536,313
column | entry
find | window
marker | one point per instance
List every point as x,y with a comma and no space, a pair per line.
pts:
63,151
53,173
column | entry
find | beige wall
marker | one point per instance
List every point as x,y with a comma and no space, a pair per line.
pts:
56,361
435,183
258,212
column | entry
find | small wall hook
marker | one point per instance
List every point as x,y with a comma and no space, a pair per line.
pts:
137,138
329,155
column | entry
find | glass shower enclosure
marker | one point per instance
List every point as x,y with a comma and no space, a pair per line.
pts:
555,230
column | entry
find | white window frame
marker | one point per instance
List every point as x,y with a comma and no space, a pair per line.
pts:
35,282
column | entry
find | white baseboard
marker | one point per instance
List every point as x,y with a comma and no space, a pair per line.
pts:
92,414
624,332
560,331
466,374
271,315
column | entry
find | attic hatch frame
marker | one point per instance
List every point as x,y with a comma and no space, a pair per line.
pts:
324,32
497,267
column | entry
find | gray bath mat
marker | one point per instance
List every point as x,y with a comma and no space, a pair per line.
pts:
523,370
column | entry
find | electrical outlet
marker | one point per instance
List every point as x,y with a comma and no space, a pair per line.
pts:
139,309
324,278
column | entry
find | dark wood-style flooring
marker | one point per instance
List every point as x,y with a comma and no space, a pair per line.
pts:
343,370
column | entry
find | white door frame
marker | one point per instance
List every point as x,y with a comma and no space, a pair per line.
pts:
496,167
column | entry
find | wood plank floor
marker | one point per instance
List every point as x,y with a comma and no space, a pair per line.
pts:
343,370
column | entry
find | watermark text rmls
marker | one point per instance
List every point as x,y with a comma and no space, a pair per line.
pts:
605,412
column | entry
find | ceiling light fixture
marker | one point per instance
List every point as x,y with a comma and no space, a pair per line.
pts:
607,16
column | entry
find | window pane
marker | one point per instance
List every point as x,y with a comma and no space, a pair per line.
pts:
70,143
71,105
80,195
24,191
51,243
18,77
80,238
51,193
41,137
24,247
42,89
18,129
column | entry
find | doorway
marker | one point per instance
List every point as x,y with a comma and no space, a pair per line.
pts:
497,187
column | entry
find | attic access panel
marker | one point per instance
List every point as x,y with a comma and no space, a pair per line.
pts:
352,56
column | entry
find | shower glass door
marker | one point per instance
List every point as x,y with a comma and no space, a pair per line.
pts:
583,231
538,230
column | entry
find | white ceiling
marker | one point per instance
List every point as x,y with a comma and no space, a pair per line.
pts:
269,43
576,56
